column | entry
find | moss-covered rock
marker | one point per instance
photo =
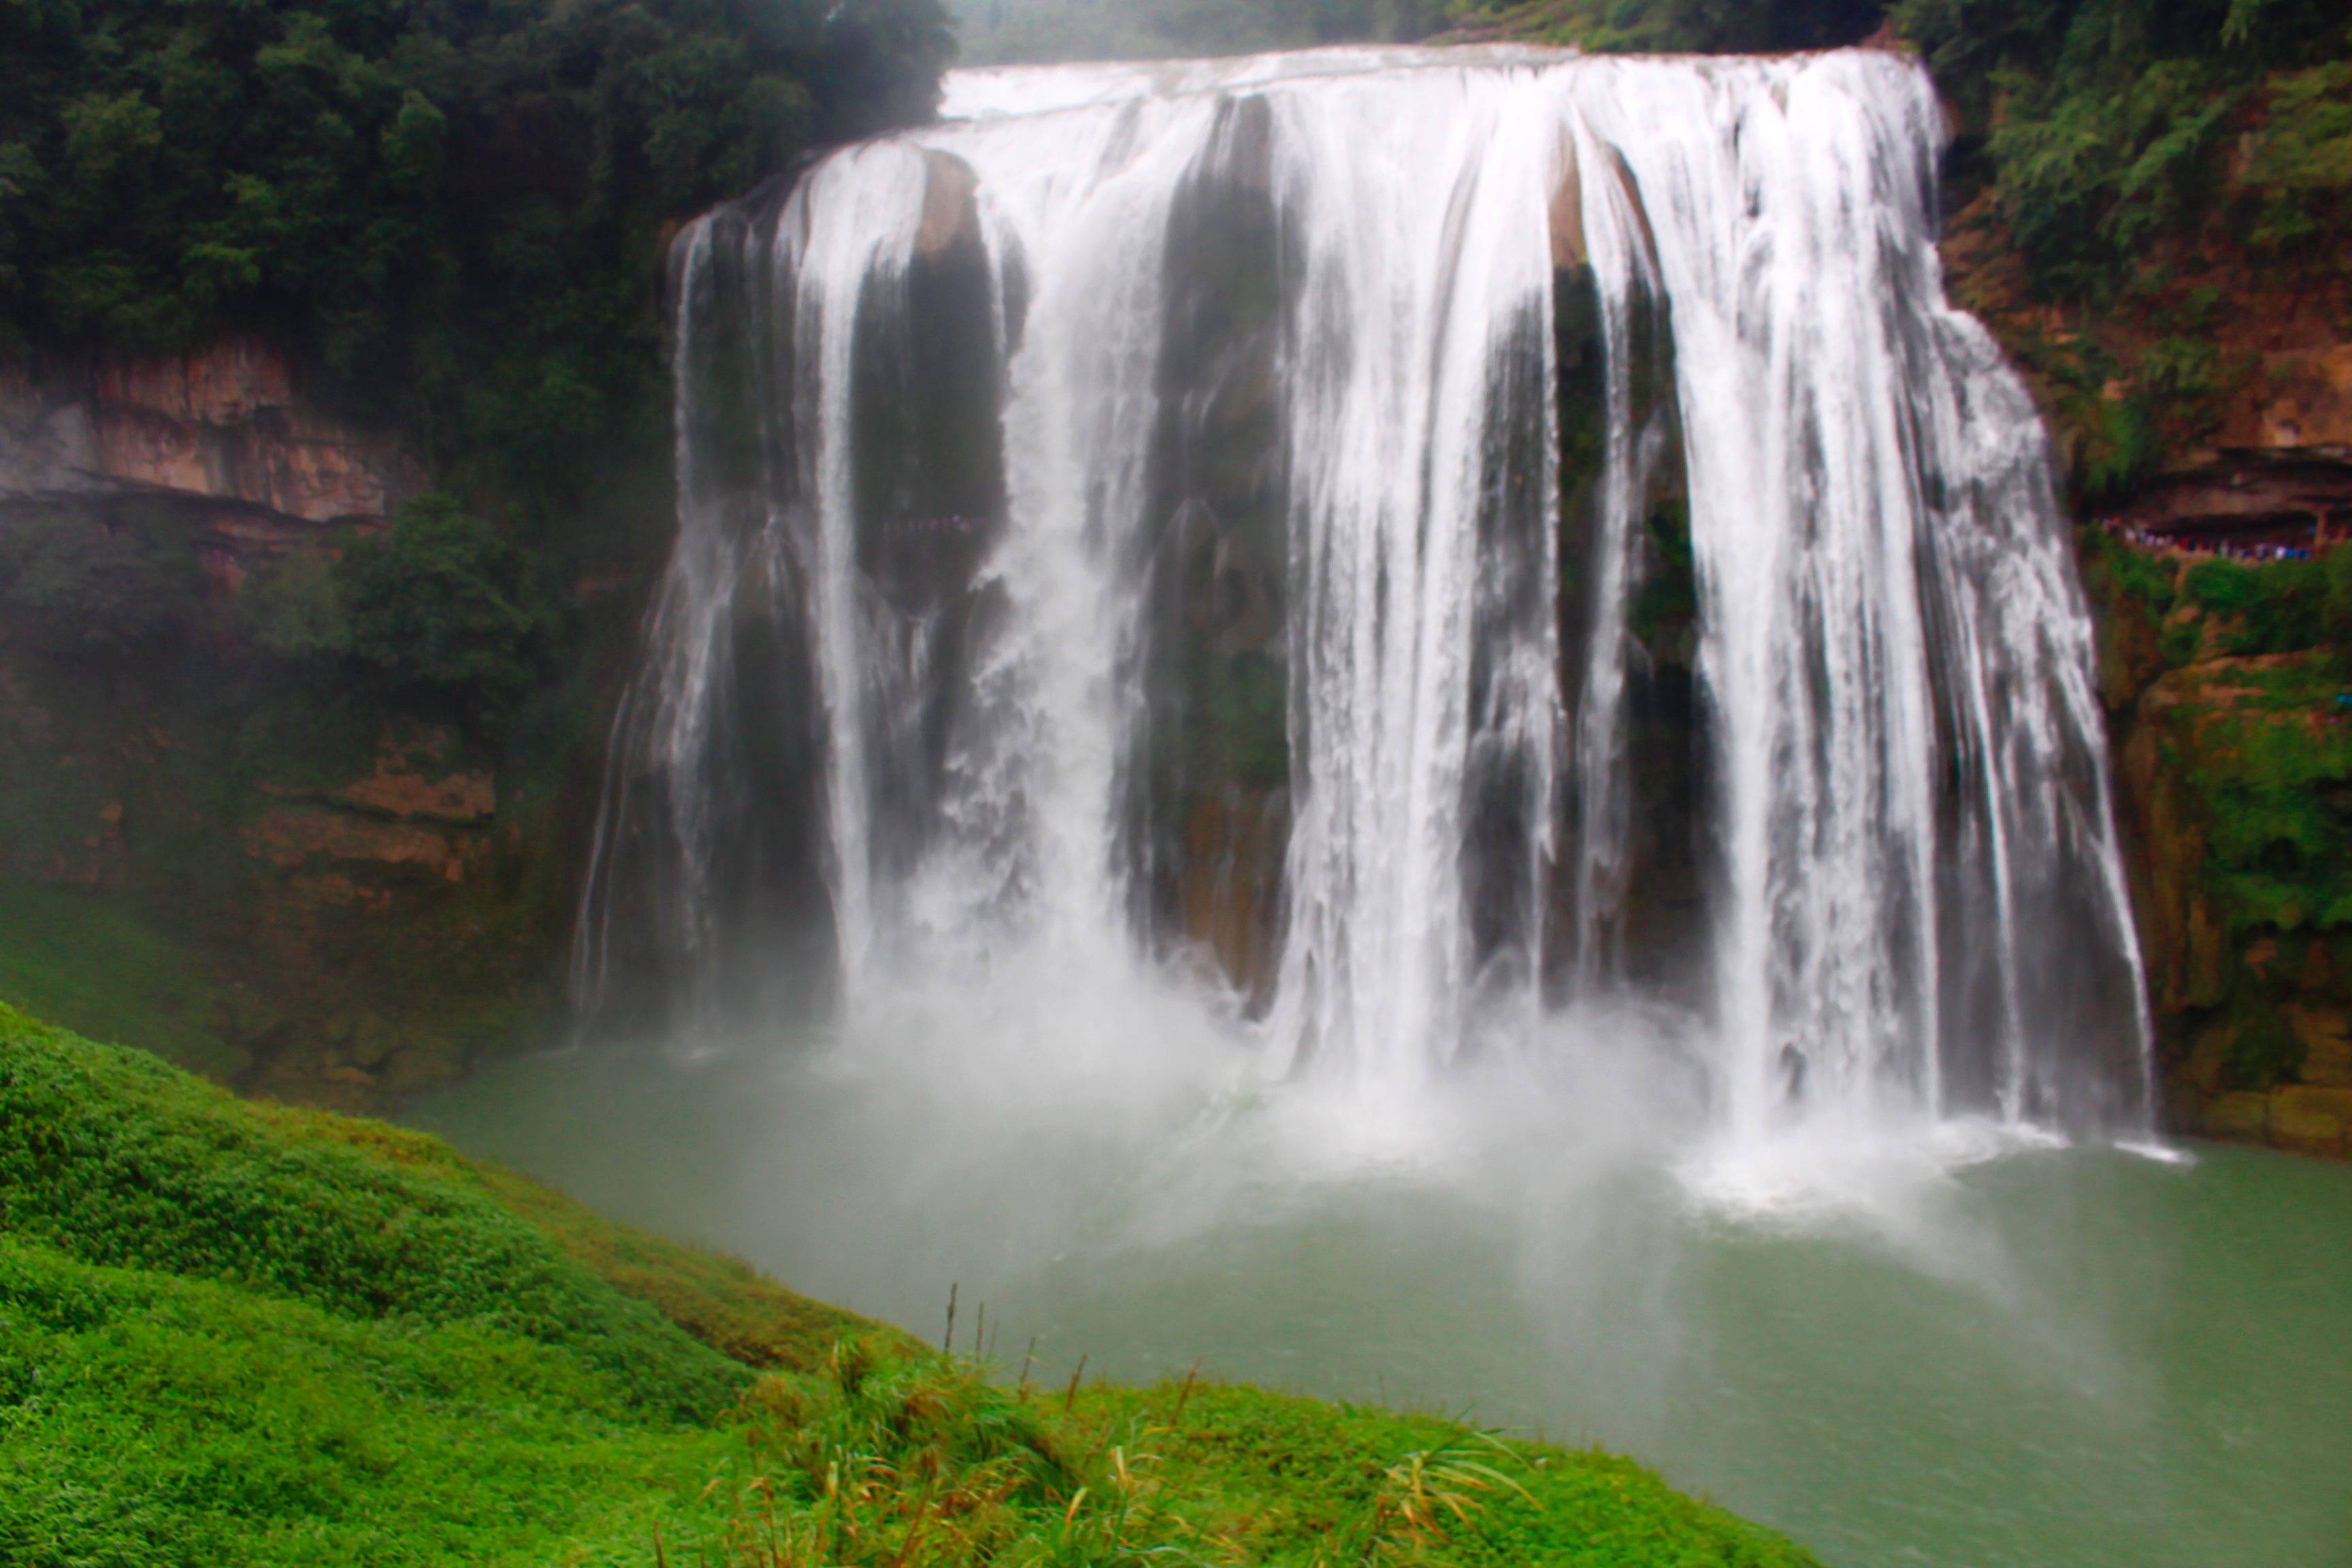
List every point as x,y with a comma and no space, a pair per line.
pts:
2232,713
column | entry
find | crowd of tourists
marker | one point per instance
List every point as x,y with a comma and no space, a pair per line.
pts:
2228,550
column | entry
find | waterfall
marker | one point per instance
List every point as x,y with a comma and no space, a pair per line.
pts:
1416,539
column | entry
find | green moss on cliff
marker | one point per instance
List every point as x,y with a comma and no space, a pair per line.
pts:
2232,698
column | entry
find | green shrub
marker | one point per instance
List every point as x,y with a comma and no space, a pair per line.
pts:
2090,174
2297,169
2116,128
2276,606
444,606
443,609
2336,617
2114,567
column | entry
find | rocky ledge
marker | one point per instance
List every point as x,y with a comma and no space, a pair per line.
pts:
229,434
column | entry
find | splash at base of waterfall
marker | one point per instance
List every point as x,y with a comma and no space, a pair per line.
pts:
1397,554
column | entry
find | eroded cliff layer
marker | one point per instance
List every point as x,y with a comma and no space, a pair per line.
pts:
219,842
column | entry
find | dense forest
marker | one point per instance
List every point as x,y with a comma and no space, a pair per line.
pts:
455,209
453,215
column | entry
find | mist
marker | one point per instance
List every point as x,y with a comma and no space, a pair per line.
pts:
998,32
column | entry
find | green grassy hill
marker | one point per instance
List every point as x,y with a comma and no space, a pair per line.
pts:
233,1333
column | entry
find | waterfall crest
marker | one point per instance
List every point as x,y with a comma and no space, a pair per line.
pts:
1422,540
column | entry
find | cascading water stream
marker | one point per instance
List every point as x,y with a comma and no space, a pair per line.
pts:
1300,516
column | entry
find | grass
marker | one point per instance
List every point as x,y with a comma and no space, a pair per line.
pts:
65,953
239,1334
147,1419
882,1463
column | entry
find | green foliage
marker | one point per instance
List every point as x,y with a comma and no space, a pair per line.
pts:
2107,121
459,209
117,1161
148,1421
2336,615
2214,606
2272,767
2089,176
228,1337
2276,606
884,1461
2248,691
86,584
2297,170
443,609
2262,1050
444,606
64,953
2116,570
295,609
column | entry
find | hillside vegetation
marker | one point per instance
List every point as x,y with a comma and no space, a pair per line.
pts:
2229,684
235,1334
457,210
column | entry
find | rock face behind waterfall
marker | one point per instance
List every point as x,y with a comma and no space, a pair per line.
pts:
1209,820
1421,539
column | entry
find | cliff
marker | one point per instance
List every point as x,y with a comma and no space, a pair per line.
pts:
223,435
2202,403
2231,714
2225,672
352,900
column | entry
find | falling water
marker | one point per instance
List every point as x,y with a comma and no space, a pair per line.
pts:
1414,540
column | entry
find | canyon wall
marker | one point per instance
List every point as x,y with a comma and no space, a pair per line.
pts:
223,437
2226,685
345,898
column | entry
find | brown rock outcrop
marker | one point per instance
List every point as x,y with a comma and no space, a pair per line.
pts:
2300,400
414,781
228,433
397,818
2284,496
